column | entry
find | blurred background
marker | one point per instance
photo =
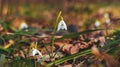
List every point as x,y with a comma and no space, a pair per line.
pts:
43,13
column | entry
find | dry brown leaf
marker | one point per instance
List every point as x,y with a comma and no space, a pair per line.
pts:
22,54
11,42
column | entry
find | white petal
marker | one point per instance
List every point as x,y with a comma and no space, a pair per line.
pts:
97,23
34,52
39,52
62,25
58,28
23,25
65,26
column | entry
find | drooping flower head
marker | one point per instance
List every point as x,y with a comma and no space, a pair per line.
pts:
23,25
62,25
107,18
34,50
97,23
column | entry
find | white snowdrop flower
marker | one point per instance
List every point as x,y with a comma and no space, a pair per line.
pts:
107,19
62,25
23,25
106,15
34,52
97,23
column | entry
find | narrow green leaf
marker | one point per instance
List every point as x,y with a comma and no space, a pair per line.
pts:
4,51
77,34
24,32
113,50
2,60
64,59
58,50
57,62
110,44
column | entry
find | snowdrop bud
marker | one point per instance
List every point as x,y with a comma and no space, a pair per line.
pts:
97,23
107,19
23,25
62,25
34,52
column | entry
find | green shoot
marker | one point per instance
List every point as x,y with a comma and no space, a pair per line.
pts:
54,31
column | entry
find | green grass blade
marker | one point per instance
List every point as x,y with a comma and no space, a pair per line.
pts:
58,50
57,62
110,44
64,59
29,32
4,51
77,34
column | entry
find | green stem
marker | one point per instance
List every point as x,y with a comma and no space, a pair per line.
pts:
54,31
35,63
